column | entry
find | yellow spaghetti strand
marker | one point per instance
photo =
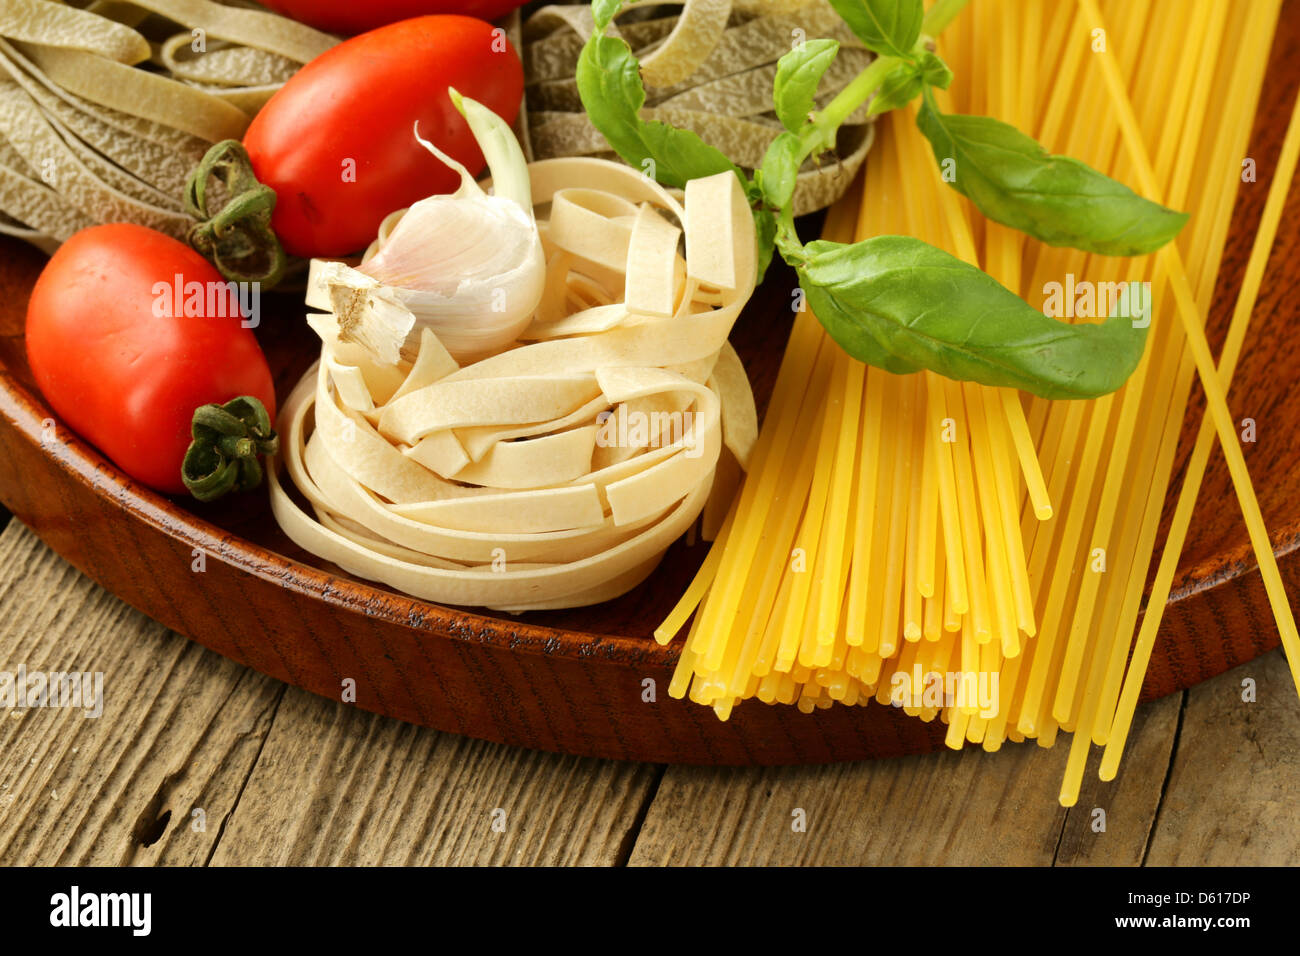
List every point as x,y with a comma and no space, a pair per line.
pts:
1181,522
699,585
1216,400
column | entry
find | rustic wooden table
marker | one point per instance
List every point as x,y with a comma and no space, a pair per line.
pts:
197,760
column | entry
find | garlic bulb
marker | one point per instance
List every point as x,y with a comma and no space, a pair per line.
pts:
469,266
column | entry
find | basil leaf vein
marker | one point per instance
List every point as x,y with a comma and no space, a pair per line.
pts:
901,304
887,27
798,74
1059,200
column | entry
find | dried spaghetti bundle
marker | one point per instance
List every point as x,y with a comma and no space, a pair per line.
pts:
885,545
556,471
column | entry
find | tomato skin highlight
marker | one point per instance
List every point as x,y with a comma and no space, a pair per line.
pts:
349,17
351,113
117,373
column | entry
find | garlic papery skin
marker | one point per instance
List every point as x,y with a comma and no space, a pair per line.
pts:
469,267
365,312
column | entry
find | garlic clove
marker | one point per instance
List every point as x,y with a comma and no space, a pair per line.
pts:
469,266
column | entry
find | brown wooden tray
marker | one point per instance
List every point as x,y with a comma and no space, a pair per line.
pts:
572,681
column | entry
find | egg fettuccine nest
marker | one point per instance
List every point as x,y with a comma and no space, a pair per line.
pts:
104,111
553,473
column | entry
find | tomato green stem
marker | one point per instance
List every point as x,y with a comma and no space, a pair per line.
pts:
228,441
238,237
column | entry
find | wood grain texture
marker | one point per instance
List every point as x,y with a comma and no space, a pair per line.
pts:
570,681
338,786
180,730
1122,836
184,729
1234,788
291,778
967,808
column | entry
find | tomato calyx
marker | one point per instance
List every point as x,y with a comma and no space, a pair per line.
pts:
229,441
237,238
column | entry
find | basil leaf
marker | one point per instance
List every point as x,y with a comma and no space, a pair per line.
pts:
778,174
797,76
903,305
887,27
604,11
934,71
1059,200
899,88
906,80
609,82
840,319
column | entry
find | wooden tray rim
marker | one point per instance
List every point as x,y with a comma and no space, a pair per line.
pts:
85,464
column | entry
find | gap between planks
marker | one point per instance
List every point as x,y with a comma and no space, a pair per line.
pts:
1220,791
287,777
280,775
179,729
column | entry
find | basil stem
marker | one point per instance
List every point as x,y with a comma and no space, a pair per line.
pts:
899,89
940,15
819,134
906,82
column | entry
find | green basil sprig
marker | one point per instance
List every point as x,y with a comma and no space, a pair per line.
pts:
891,301
907,81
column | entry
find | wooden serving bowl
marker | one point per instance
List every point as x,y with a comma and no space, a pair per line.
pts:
574,681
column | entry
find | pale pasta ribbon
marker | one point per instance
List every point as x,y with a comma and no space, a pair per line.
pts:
554,473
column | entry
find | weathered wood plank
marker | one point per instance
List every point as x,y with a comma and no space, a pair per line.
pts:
937,808
948,808
1130,801
180,729
184,728
338,785
1234,790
